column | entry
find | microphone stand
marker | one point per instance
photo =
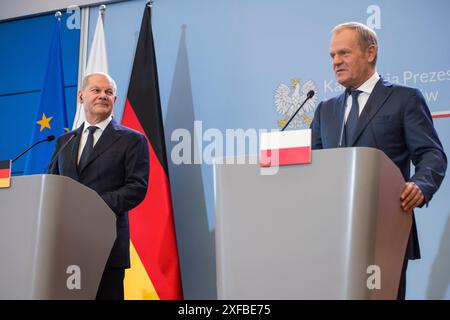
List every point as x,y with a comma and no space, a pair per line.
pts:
49,138
309,96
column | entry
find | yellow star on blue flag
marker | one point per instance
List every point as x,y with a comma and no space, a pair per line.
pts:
44,122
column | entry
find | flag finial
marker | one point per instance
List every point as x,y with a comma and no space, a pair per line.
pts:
58,15
102,9
150,3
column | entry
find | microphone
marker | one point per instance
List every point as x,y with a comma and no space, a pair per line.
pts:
49,138
52,162
309,95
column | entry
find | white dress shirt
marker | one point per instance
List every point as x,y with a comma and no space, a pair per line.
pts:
97,134
366,89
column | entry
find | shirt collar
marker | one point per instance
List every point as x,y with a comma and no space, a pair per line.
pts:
101,125
367,87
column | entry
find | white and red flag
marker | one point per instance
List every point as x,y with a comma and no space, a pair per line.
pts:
285,147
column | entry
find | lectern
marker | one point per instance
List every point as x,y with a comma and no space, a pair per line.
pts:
55,239
332,229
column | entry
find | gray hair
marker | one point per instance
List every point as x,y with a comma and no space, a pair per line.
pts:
89,75
366,36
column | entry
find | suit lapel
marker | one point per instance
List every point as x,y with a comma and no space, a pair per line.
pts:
108,137
377,98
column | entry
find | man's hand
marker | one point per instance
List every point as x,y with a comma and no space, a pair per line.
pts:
411,196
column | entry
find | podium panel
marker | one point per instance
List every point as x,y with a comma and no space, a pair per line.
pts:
326,230
55,239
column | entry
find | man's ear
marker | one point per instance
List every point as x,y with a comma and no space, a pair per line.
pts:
371,53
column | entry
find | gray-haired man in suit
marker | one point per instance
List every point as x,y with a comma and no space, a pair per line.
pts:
112,160
375,113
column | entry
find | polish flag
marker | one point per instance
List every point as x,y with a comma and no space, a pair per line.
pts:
285,147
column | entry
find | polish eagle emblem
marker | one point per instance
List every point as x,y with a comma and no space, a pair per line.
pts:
289,98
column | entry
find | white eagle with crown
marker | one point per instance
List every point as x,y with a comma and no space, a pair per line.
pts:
287,103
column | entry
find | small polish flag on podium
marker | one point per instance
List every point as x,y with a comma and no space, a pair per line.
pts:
285,147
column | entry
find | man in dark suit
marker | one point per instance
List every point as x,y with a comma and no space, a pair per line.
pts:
375,113
112,160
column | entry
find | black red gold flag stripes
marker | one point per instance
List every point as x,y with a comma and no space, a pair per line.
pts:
154,272
5,173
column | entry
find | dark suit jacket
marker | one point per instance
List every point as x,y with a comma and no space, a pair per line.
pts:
397,121
117,169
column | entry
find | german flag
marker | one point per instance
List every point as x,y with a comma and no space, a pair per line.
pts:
5,173
154,272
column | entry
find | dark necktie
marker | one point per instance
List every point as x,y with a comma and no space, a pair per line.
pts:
352,119
87,148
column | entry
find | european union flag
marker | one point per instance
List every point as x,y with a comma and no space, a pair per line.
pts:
51,118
